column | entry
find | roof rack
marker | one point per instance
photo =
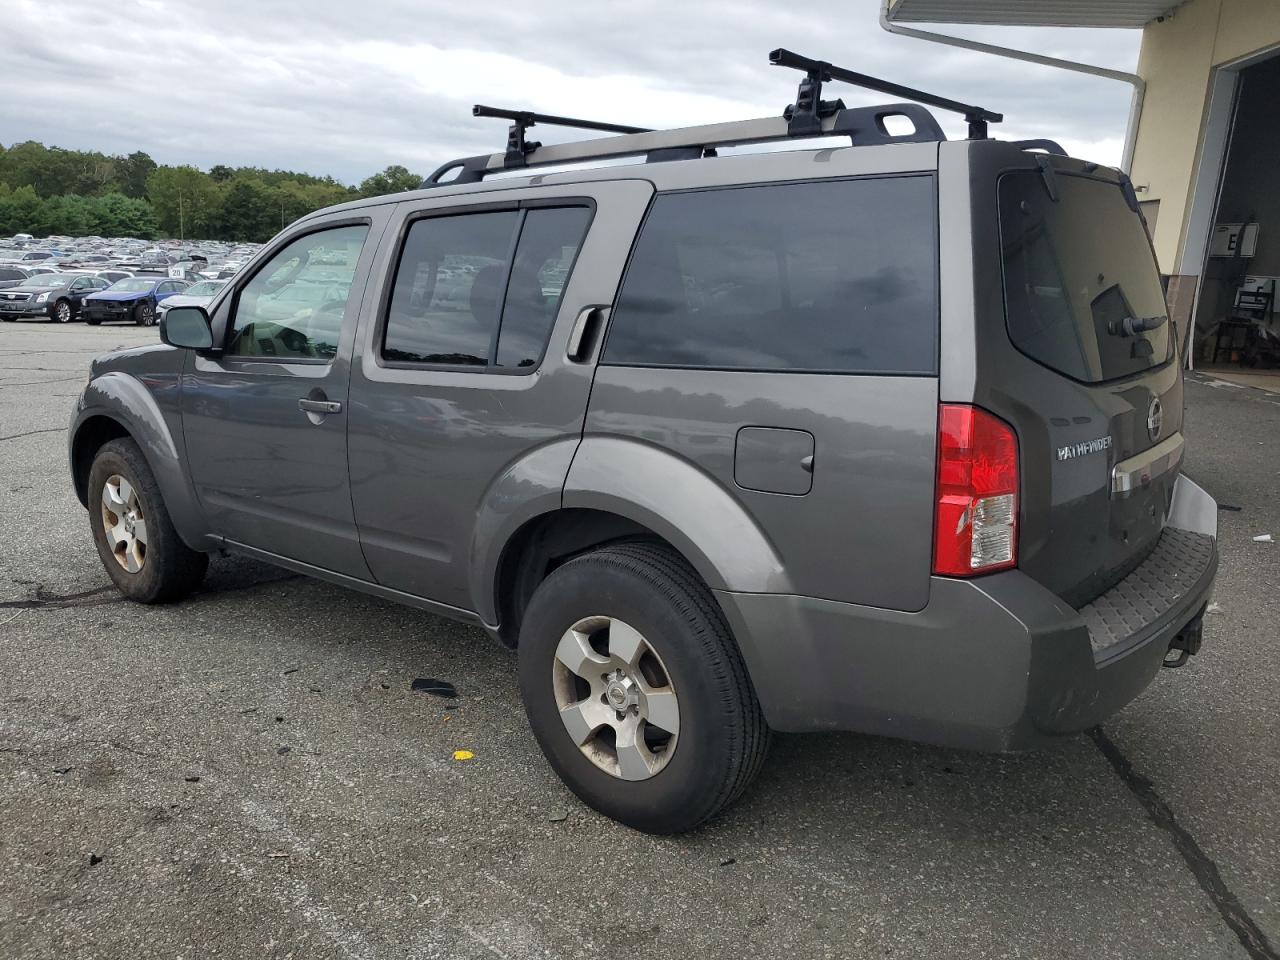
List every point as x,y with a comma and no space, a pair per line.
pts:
518,149
809,116
809,104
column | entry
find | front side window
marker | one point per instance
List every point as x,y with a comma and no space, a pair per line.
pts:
829,276
293,307
460,300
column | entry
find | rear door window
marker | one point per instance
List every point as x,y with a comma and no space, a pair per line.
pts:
1075,269
828,276
460,299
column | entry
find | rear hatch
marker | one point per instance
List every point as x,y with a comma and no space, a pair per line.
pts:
1078,354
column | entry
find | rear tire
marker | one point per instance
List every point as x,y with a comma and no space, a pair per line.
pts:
678,779
136,540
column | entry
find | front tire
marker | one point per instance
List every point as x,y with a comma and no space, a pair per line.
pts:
636,691
62,311
136,540
144,314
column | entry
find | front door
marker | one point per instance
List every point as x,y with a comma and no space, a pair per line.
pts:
266,420
468,368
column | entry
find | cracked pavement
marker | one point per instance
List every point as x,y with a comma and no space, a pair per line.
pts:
250,774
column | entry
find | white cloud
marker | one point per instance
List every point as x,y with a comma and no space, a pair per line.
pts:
331,87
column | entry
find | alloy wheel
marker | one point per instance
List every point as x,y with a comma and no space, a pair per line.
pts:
124,523
62,312
616,698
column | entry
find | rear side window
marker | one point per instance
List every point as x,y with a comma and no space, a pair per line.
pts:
832,276
460,299
1075,269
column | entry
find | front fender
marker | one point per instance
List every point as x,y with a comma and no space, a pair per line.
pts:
679,502
125,399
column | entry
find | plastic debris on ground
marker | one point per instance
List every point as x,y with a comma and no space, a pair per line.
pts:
437,688
462,754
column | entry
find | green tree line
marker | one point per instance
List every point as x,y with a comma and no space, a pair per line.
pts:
49,190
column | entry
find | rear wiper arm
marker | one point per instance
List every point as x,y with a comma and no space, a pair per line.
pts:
1132,326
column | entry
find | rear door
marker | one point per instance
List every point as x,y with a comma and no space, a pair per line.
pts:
465,368
1079,356
783,338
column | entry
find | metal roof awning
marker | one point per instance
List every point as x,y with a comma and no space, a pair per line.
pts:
1032,13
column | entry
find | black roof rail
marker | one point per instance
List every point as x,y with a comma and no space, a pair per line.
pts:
809,116
810,106
1048,146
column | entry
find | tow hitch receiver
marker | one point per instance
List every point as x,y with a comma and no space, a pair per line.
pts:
1186,643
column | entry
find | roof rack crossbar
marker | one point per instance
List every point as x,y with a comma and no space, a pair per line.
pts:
809,105
862,125
809,116
518,149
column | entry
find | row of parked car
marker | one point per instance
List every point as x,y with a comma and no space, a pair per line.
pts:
99,280
205,260
64,297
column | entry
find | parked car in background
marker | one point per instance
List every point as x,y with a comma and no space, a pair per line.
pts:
58,296
112,276
134,298
12,275
197,295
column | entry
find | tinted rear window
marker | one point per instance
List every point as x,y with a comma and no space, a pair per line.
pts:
1074,269
832,276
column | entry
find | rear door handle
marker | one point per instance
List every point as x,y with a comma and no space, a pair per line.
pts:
321,407
585,332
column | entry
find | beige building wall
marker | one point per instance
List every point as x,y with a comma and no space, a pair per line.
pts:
1178,58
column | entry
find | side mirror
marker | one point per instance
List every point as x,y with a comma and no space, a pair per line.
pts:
186,327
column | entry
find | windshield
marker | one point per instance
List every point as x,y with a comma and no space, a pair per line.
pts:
47,280
206,289
132,285
1082,292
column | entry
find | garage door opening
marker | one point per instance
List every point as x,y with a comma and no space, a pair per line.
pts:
1236,324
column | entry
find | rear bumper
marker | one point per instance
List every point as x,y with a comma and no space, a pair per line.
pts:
994,663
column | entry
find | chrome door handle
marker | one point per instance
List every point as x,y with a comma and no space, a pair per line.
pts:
321,407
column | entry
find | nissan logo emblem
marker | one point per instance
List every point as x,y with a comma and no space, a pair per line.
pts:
1155,418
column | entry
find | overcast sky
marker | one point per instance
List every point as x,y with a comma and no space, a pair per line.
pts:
346,88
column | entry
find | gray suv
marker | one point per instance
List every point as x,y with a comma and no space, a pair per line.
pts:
881,437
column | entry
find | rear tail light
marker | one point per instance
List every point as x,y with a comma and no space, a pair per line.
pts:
976,512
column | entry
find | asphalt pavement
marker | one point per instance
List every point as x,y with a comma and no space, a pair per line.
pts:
250,773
